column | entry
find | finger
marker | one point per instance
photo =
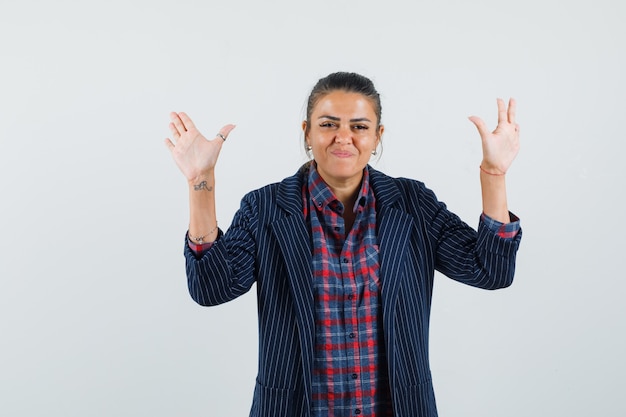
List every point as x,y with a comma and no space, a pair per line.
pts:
178,124
480,125
511,111
225,131
169,144
186,121
174,131
502,115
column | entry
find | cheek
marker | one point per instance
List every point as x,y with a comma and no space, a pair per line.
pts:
320,139
367,143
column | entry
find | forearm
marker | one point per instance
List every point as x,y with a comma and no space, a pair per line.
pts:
202,216
227,270
494,196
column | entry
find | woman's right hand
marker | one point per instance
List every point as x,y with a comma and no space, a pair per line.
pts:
193,153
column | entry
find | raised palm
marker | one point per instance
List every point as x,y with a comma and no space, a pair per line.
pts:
501,146
194,155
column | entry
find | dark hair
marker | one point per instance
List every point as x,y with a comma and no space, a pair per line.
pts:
349,82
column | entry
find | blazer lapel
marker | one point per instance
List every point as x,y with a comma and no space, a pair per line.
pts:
393,236
394,228
295,244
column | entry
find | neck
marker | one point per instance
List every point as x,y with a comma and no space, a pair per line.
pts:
345,189
347,195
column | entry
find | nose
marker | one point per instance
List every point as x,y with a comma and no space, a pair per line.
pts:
344,136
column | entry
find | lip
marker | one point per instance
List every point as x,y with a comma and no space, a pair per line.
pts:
341,154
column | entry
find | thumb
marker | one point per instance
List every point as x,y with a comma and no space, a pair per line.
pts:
225,131
221,136
480,125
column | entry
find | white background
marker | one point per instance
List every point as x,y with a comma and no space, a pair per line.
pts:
95,319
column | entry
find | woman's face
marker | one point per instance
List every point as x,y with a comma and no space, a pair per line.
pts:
342,135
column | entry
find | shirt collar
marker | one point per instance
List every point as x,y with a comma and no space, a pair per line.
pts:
322,195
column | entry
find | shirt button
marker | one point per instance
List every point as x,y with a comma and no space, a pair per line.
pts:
357,411
345,260
354,376
351,297
351,335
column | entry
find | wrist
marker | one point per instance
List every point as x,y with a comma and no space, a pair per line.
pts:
207,178
491,170
209,237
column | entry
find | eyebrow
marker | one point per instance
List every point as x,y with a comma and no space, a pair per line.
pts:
337,119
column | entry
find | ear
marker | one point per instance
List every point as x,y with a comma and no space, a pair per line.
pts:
304,126
381,129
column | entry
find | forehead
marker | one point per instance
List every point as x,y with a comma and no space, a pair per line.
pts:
342,103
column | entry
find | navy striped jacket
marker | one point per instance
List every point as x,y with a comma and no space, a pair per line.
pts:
269,243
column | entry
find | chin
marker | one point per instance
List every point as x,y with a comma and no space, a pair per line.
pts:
344,174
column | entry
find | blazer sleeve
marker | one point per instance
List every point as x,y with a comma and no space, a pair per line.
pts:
227,269
479,258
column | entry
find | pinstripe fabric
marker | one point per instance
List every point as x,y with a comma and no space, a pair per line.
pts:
268,243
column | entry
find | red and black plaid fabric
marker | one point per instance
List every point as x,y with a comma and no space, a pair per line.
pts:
504,230
349,374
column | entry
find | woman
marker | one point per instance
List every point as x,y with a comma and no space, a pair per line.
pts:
344,258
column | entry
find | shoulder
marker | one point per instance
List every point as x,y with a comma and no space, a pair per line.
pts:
405,194
286,192
390,188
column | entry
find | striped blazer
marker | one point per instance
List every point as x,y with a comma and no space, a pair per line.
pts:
269,243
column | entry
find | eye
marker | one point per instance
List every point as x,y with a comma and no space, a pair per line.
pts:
361,127
327,124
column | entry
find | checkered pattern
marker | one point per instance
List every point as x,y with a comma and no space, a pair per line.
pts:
349,374
504,230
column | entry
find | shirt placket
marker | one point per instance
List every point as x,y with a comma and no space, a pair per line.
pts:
351,283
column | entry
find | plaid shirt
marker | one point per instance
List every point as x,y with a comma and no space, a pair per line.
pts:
349,373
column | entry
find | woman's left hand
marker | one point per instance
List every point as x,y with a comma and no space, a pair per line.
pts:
501,146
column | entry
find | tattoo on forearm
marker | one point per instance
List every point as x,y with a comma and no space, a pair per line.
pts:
202,186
